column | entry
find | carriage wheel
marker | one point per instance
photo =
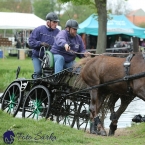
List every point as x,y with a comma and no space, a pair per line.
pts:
83,116
37,103
11,99
67,113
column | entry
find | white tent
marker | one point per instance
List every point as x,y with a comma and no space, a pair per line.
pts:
21,21
12,20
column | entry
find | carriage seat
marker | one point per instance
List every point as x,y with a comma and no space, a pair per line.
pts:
47,64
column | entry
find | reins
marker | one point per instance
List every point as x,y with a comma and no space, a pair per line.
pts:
106,53
93,54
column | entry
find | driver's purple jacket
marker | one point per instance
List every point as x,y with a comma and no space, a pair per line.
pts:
76,44
41,34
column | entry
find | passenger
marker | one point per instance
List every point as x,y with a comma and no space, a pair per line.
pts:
65,42
42,36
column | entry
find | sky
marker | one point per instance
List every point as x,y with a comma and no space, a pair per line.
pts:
137,4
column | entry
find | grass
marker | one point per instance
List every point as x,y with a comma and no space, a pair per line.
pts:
38,132
8,67
64,135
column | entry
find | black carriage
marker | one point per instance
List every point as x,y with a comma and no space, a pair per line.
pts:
48,97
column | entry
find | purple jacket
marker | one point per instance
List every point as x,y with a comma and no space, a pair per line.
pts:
76,44
41,34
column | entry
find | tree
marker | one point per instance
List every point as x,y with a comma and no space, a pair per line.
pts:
142,25
23,6
77,12
64,11
102,23
42,7
102,20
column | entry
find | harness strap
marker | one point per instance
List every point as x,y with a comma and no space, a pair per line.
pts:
127,70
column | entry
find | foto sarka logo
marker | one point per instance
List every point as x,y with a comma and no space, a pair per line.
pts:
8,137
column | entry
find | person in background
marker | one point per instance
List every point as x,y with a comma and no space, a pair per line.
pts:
22,39
17,41
93,42
42,36
29,52
65,42
143,43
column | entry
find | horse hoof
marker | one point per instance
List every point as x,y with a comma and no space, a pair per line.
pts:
103,133
111,133
93,132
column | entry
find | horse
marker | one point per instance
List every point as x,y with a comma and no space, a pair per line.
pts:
102,69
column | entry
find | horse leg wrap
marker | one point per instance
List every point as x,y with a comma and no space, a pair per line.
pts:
93,128
112,129
97,121
99,129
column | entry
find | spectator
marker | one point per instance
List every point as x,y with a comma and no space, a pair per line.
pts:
143,43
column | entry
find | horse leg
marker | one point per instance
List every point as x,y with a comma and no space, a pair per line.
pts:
113,126
95,105
125,101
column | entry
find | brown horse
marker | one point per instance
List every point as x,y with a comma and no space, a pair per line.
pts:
102,69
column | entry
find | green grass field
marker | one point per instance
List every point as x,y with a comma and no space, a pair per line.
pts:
31,132
8,67
38,132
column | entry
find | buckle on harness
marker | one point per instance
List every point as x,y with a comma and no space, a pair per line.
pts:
126,64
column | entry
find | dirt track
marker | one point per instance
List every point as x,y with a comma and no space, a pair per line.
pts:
119,132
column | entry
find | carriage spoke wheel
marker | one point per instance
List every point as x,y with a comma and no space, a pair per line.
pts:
11,99
67,113
37,103
83,116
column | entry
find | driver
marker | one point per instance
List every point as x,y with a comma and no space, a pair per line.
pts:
42,36
66,41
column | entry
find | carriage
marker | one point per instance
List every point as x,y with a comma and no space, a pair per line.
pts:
59,98
48,96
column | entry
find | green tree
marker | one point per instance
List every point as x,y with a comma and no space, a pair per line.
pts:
23,6
65,12
42,7
142,25
102,20
77,12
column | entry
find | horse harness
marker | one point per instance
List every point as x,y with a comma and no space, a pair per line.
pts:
126,65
